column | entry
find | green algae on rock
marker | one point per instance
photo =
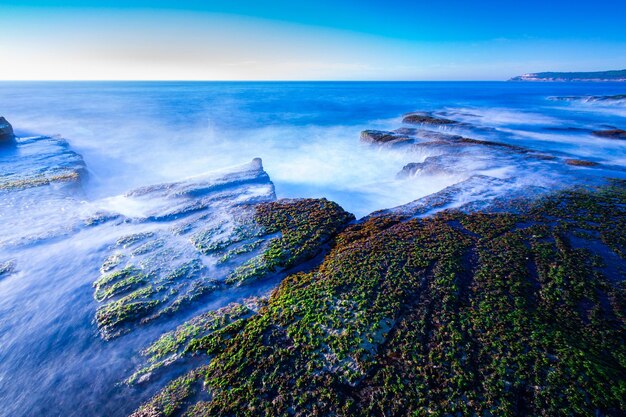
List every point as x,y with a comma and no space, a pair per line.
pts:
216,238
165,256
457,314
43,161
176,344
44,175
304,225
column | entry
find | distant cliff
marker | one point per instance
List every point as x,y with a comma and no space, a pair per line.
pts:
617,75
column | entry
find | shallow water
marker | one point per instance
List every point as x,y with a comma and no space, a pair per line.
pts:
52,360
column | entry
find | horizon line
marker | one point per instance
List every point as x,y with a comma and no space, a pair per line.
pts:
243,80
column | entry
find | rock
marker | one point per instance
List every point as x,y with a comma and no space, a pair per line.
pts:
590,99
610,134
381,137
433,165
161,265
44,161
411,131
7,268
427,134
6,132
410,169
184,240
402,309
580,163
491,143
45,175
427,119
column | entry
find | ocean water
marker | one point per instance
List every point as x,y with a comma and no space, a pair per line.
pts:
133,134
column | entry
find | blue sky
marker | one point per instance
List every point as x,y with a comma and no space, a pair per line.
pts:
339,40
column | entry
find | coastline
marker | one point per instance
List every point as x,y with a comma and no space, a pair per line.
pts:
148,241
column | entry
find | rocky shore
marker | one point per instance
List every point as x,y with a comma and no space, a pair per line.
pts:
470,301
515,307
482,313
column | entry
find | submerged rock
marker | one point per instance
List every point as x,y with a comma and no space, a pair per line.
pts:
469,314
492,143
380,137
591,99
433,165
580,163
6,268
6,132
464,196
427,119
410,169
427,134
164,260
610,134
45,175
40,161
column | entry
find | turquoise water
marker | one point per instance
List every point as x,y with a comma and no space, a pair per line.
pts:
52,361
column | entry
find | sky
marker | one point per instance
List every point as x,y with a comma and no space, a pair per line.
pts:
303,40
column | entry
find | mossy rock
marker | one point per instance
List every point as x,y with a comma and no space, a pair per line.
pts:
457,314
150,275
304,225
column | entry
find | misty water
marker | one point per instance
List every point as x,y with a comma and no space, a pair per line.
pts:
129,135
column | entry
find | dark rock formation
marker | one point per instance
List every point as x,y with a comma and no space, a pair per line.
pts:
427,134
432,165
426,118
610,134
6,132
580,163
410,169
491,143
6,268
381,137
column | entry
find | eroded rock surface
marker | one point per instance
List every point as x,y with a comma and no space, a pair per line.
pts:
193,237
416,315
475,314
